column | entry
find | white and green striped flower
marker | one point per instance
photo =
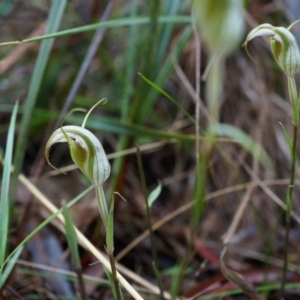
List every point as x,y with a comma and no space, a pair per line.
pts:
88,155
283,45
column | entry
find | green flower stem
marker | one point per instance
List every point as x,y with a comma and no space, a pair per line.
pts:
294,100
295,120
102,205
114,274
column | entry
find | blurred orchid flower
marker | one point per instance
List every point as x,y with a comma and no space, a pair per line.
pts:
220,24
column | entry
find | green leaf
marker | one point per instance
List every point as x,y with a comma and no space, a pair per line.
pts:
4,198
154,194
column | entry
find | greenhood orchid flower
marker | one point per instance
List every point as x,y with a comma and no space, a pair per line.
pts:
88,155
86,152
283,45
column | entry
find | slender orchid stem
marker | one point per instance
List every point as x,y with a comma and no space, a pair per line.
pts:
289,196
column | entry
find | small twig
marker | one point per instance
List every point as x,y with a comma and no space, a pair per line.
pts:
237,217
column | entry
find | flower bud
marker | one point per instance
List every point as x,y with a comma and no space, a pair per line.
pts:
283,45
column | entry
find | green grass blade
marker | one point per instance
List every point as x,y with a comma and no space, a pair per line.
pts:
166,32
163,75
245,141
108,24
130,64
114,125
169,97
71,236
4,198
72,242
10,266
127,93
54,19
44,223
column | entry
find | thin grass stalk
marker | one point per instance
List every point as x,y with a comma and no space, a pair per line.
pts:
174,19
110,250
114,274
166,32
295,120
153,249
130,66
148,46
